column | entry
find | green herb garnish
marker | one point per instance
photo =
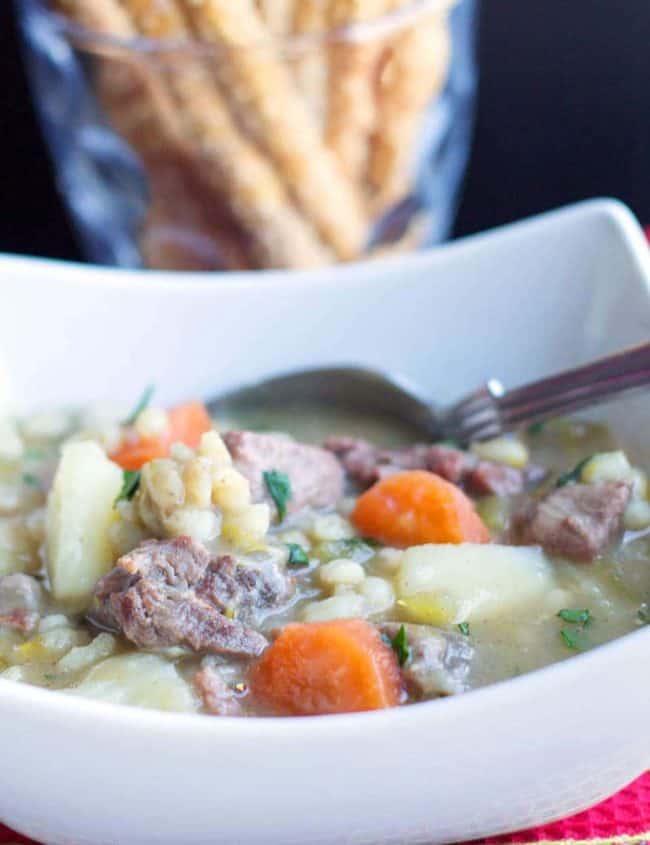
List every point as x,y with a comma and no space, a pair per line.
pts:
31,480
576,617
297,555
572,639
35,454
535,429
573,476
359,549
142,404
130,484
463,627
279,487
644,615
400,645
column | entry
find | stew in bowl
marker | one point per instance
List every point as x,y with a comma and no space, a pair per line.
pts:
305,561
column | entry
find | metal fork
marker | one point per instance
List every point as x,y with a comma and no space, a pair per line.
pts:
487,412
491,410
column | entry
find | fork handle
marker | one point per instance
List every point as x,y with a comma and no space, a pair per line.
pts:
493,410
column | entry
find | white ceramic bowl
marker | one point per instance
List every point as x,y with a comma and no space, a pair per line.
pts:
516,303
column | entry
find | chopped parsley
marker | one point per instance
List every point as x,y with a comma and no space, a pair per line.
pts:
31,480
535,429
463,627
573,476
143,402
644,615
572,639
400,645
130,484
576,617
359,549
297,555
279,487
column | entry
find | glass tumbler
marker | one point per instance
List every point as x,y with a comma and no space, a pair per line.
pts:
254,134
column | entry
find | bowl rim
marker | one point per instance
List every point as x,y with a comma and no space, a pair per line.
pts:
174,282
59,704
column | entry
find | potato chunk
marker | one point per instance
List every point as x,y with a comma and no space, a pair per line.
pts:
447,584
79,513
140,680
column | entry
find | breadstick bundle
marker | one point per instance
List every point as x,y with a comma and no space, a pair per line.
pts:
273,133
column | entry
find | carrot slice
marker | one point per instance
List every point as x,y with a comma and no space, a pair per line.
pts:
136,451
187,423
313,668
416,507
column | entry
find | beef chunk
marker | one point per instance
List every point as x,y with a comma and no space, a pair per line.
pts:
217,697
366,464
578,521
315,475
491,479
21,601
439,663
173,592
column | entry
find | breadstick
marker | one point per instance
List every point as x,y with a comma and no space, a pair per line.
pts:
351,102
415,73
144,116
309,62
278,15
229,165
128,86
170,242
268,103
186,228
140,110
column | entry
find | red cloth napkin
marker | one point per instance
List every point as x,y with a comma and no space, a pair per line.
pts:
626,814
625,818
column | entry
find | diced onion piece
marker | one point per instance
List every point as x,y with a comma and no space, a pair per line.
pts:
388,560
341,571
331,526
345,606
83,656
379,594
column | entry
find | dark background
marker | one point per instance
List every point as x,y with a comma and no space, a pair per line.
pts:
564,114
